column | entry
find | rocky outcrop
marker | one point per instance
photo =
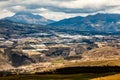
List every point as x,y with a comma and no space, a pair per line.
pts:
4,63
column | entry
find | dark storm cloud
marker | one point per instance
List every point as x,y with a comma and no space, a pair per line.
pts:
69,10
58,6
78,10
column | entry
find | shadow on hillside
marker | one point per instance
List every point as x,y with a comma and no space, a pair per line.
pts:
67,73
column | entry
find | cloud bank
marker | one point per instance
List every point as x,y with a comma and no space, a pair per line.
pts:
59,9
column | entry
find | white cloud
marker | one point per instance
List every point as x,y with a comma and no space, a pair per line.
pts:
59,9
115,10
61,15
83,3
18,8
3,4
5,13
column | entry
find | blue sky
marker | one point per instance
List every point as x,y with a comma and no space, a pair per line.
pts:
59,9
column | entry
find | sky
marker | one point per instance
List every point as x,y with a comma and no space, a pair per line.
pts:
59,9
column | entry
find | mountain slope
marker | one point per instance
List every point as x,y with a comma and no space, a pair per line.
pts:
104,53
12,29
8,28
4,63
98,22
29,18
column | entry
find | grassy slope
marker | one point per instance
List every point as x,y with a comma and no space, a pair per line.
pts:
110,77
94,63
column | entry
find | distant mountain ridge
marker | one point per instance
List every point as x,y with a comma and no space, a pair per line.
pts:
98,22
29,18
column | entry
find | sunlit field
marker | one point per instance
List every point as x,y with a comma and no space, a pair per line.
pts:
88,76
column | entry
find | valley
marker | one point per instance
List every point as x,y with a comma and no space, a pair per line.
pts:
45,51
35,50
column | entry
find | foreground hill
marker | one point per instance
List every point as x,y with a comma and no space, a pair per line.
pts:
98,22
103,53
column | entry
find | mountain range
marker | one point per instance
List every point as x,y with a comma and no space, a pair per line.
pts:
29,18
99,22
